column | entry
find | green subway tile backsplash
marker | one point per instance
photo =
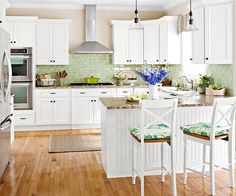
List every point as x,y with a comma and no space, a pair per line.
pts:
223,76
100,65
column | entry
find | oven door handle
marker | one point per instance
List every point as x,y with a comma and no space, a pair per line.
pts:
5,125
19,57
21,84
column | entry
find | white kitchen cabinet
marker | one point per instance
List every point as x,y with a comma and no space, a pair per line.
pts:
135,46
141,90
127,44
218,34
53,42
82,110
86,107
3,6
61,110
198,43
152,43
44,111
120,44
97,111
52,107
213,42
122,92
170,41
22,30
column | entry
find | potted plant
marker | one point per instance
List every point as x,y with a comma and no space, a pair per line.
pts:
204,82
153,76
215,90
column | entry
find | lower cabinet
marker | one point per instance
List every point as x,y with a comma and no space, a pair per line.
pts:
82,110
52,107
53,111
86,110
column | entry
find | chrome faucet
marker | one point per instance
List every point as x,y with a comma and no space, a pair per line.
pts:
190,81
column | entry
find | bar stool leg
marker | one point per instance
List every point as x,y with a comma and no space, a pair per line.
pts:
204,159
133,163
185,160
231,163
162,163
173,160
212,169
142,169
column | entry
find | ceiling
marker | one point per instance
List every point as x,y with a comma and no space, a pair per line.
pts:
147,5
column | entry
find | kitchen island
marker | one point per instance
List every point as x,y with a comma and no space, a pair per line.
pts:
118,116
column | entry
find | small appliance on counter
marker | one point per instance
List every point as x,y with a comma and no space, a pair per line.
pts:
126,77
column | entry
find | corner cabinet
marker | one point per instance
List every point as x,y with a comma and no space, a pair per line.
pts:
127,43
157,42
52,42
213,42
22,30
52,106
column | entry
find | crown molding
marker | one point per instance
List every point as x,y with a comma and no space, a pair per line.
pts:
74,6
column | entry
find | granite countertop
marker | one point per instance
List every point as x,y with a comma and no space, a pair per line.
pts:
122,103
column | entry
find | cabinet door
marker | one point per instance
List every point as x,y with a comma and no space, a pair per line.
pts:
198,47
120,45
61,111
44,112
24,34
44,44
60,47
152,44
82,110
136,46
9,27
97,111
218,34
164,42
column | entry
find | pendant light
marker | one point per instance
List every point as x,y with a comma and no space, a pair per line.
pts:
136,20
191,26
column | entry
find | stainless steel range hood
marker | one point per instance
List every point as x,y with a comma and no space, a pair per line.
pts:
91,46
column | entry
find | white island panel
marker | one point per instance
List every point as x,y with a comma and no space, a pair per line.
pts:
116,140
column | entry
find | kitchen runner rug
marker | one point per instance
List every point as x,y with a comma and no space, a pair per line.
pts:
74,143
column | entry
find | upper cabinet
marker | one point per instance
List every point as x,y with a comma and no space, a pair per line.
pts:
156,43
152,43
53,42
212,43
22,30
3,6
127,44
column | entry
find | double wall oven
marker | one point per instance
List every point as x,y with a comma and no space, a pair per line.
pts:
22,85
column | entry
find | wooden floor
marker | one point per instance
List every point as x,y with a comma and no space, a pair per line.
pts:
33,171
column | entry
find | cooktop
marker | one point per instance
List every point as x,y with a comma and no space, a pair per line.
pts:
98,84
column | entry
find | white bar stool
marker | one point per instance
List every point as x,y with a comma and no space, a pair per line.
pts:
221,128
158,130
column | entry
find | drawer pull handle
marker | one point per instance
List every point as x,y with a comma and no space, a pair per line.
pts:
52,93
82,93
104,92
124,91
23,118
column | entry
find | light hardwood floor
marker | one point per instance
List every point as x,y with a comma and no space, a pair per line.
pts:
33,171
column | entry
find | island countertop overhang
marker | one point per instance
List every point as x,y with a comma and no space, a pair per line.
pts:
121,103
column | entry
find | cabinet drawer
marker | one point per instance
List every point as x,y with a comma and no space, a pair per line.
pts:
122,92
24,119
52,93
141,90
102,92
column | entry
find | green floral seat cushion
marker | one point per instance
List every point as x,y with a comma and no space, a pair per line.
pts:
204,129
156,131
